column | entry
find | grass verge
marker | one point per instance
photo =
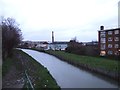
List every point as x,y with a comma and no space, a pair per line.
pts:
7,64
38,74
95,62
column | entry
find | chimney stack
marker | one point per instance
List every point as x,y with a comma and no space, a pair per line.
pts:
101,27
52,37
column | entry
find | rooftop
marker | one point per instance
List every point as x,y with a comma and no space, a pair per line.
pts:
110,29
60,42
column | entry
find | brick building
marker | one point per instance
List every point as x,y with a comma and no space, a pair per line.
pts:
109,41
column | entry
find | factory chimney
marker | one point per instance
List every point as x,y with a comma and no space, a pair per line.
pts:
52,37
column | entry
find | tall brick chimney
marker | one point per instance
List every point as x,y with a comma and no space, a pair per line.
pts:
52,37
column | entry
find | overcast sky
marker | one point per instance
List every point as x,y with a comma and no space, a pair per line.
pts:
67,18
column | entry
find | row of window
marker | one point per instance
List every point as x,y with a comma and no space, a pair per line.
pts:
102,34
102,53
115,46
115,38
103,40
103,46
111,53
111,32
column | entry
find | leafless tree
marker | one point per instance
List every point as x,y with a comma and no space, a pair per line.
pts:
11,35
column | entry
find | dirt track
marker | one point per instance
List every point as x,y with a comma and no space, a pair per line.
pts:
14,77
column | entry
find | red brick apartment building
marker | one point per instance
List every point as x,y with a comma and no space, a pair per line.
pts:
109,41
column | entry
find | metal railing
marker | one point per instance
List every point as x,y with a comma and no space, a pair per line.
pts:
28,83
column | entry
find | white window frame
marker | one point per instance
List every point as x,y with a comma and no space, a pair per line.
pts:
110,32
116,53
103,32
103,40
116,46
102,47
102,35
110,52
116,31
116,38
109,38
110,45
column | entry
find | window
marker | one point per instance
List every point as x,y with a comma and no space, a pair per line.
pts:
116,53
109,32
103,40
109,45
116,39
116,46
110,52
102,35
103,32
102,53
116,31
109,38
102,46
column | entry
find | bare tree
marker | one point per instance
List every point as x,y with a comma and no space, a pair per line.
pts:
11,35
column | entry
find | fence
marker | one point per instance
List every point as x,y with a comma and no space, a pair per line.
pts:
28,83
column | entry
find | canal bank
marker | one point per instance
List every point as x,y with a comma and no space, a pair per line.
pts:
109,69
69,76
21,62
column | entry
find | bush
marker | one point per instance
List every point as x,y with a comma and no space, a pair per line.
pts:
78,48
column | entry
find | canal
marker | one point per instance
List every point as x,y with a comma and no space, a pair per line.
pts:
68,76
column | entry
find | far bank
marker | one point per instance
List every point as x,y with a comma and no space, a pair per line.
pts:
103,66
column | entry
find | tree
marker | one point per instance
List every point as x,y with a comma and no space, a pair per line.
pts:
11,36
75,47
74,39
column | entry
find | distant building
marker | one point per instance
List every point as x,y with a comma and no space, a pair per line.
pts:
109,41
35,44
41,45
27,44
58,45
92,43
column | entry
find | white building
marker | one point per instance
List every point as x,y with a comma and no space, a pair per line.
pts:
58,45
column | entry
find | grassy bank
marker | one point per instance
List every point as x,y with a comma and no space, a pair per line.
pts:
41,76
97,64
38,74
11,74
7,64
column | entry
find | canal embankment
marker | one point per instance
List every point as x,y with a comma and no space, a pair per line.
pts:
98,65
14,68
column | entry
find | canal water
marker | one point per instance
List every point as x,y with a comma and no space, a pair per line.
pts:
68,76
